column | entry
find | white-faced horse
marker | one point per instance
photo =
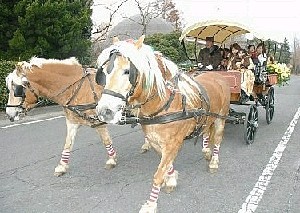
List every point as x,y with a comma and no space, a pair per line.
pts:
66,83
171,105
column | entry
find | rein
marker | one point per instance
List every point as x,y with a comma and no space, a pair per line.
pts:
78,109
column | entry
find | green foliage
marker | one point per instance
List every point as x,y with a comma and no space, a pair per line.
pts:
5,68
51,29
8,25
169,45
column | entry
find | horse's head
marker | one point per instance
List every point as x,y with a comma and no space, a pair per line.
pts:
125,70
21,96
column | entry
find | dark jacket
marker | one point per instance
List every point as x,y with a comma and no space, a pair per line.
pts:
211,56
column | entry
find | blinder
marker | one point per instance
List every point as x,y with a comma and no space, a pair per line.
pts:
19,91
101,77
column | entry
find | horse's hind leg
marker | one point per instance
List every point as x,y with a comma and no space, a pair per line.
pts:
216,136
64,161
105,137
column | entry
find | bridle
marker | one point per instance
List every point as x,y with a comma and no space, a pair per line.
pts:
101,77
20,92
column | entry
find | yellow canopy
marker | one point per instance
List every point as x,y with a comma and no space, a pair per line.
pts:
221,30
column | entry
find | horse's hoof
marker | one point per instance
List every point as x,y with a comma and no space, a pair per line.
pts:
111,163
169,189
207,153
58,174
144,151
60,170
207,156
149,207
110,166
213,170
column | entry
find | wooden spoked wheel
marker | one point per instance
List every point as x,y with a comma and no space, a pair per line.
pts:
251,124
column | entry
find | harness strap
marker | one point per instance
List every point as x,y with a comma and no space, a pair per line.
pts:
93,89
166,106
77,89
113,93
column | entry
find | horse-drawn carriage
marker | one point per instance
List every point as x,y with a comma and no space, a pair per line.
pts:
169,104
263,89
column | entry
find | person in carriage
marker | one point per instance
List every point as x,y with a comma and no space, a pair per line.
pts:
240,60
210,56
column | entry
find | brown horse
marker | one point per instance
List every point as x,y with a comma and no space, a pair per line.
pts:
171,105
66,83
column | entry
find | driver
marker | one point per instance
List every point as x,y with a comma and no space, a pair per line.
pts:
210,56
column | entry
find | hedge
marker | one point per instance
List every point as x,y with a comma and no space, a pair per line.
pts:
5,68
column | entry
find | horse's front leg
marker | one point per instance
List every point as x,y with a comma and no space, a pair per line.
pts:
146,146
205,147
64,161
165,176
106,140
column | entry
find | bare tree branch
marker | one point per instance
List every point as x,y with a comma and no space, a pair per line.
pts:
102,31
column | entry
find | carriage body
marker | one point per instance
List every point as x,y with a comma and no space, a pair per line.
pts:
263,84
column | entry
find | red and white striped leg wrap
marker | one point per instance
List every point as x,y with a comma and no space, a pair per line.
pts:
154,194
110,150
216,150
65,155
205,141
171,170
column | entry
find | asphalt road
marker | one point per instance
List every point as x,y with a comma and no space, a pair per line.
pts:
31,148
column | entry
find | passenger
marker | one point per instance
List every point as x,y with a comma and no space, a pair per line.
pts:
234,57
252,53
209,57
261,54
246,62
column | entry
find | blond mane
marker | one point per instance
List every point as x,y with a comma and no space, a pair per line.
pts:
145,61
39,62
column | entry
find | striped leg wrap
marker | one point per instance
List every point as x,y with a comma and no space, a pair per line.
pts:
171,170
205,142
154,194
216,150
65,156
110,150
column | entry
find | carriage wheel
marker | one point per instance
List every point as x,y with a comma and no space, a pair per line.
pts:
251,124
270,105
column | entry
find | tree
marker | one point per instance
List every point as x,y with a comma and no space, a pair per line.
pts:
103,28
52,29
8,25
284,54
167,10
169,45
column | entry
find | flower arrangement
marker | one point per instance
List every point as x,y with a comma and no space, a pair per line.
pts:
282,70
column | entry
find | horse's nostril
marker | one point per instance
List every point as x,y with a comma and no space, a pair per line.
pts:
108,112
11,119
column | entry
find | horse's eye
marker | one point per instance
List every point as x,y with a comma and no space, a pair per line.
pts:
126,72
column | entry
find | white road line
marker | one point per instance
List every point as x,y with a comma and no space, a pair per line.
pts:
31,122
251,202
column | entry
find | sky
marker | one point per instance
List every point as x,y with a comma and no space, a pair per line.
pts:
275,19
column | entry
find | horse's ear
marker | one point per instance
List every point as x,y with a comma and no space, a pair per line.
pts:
115,39
19,68
139,42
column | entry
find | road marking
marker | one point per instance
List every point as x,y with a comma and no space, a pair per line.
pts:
32,122
255,196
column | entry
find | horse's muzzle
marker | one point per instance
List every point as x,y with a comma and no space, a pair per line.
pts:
105,114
